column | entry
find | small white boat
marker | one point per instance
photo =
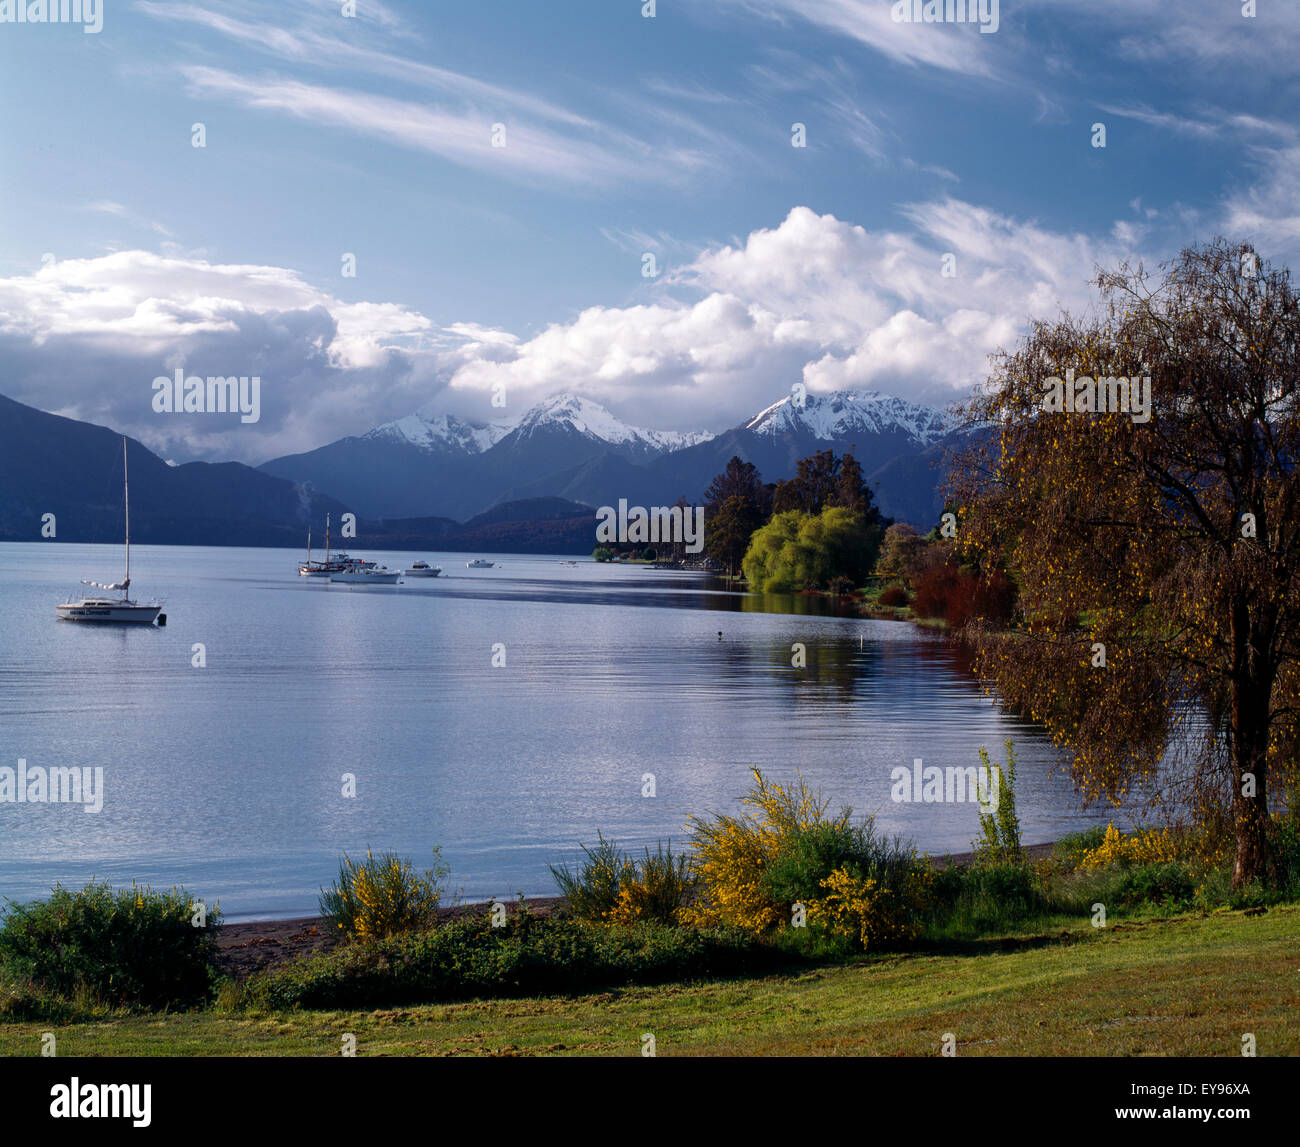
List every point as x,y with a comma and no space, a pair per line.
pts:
114,609
423,569
479,564
367,575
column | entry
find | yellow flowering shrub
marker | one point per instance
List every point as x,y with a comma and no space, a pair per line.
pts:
383,896
653,889
733,853
1143,846
864,910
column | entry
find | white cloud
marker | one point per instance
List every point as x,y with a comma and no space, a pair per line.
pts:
1267,210
955,48
819,299
813,298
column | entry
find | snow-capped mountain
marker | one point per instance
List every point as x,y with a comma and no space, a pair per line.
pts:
431,430
572,447
434,430
592,420
844,413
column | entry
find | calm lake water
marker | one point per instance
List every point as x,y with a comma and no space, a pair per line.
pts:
228,778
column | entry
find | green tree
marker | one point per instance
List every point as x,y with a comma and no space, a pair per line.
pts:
727,531
796,551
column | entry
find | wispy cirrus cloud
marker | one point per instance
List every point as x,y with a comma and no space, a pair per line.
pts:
307,45
462,137
961,49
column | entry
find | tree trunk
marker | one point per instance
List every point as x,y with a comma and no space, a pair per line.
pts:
1252,690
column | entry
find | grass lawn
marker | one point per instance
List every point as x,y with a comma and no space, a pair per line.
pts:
1188,986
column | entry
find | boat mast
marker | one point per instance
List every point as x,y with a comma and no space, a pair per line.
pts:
126,497
327,539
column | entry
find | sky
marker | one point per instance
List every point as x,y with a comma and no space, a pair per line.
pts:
502,171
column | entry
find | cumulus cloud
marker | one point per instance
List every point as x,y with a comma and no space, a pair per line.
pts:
814,299
819,300
86,338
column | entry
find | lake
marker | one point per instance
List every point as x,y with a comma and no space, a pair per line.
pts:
228,778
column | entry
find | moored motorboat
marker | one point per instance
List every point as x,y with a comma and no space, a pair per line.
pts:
379,575
479,564
423,569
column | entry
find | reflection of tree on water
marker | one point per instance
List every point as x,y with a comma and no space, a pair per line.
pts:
812,605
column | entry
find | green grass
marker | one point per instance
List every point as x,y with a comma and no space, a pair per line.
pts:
1187,985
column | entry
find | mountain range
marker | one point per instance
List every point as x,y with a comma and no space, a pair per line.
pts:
432,480
574,448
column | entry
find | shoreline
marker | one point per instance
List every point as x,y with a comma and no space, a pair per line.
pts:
245,947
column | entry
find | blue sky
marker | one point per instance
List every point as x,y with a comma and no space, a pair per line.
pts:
479,266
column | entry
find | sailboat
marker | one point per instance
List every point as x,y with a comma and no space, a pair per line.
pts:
340,563
121,609
310,568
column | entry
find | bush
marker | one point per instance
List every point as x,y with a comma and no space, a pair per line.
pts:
601,554
999,839
591,893
1163,885
991,599
383,896
528,956
753,869
610,886
733,855
970,901
136,948
934,589
1070,849
656,889
873,914
893,595
1143,846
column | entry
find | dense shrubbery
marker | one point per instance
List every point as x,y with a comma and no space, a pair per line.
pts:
129,948
958,597
782,883
383,896
971,901
893,595
754,869
529,955
934,589
610,886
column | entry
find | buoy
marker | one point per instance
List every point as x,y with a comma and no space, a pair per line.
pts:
162,619
719,635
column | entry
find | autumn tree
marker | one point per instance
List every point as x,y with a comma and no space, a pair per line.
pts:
1156,558
898,551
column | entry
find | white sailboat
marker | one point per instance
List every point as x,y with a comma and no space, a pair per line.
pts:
121,609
